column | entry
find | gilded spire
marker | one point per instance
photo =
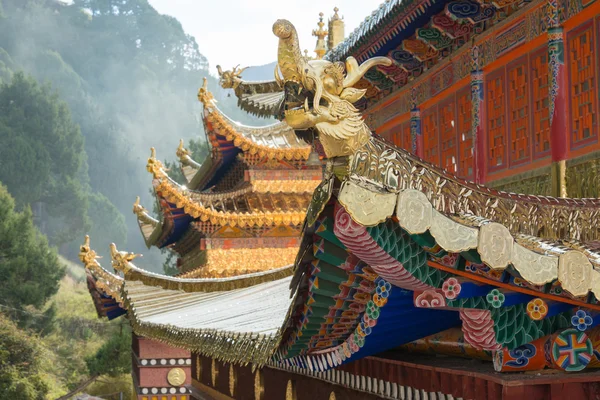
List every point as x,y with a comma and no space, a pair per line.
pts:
182,153
335,15
336,30
88,256
320,33
203,94
154,165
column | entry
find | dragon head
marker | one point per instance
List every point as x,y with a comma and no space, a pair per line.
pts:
319,94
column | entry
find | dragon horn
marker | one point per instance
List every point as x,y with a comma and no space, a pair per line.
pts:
355,72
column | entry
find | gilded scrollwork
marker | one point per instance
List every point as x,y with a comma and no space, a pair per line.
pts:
320,198
452,236
575,273
495,245
534,267
414,211
366,207
379,165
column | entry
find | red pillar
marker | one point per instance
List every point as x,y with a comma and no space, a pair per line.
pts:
558,104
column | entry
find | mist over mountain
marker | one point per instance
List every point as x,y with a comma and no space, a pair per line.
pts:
129,77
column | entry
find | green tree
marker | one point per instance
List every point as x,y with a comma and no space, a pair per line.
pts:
114,357
21,356
130,77
29,268
41,151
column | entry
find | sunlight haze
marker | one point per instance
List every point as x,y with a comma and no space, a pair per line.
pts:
239,32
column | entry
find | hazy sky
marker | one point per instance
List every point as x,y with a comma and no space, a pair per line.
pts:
231,32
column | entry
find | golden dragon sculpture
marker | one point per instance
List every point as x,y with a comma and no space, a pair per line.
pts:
320,94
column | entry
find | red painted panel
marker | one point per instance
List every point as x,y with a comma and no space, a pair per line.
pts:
495,101
152,349
519,121
580,60
448,135
157,376
430,133
540,103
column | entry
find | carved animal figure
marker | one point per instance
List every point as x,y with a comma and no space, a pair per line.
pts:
320,94
230,79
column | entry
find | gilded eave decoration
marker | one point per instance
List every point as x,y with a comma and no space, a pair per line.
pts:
383,168
150,227
262,98
109,283
173,193
536,261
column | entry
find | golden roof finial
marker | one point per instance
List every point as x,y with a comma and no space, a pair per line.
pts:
320,33
182,152
203,94
336,29
138,209
154,166
88,256
142,214
121,259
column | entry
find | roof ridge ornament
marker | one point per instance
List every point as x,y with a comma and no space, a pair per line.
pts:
182,153
154,165
341,128
320,34
142,213
121,259
230,79
204,95
88,256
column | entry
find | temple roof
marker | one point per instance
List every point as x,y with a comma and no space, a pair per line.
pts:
236,208
240,325
155,304
377,251
229,138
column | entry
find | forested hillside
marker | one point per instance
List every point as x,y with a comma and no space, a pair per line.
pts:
86,88
129,77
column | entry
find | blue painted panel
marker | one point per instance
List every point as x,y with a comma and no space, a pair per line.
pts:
401,322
